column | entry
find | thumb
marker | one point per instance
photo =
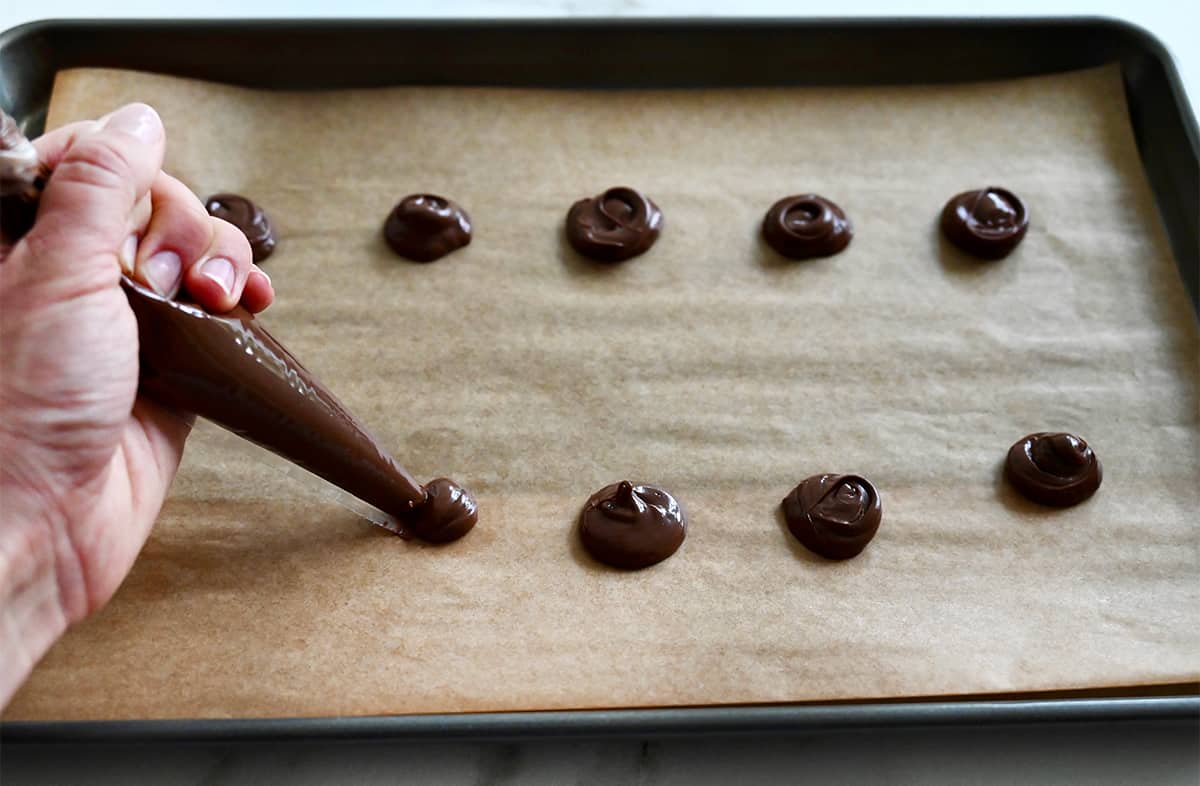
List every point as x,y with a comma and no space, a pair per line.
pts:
87,210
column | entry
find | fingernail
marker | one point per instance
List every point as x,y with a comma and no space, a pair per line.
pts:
220,270
257,272
128,253
137,120
163,272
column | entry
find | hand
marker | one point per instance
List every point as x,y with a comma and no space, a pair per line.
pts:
84,463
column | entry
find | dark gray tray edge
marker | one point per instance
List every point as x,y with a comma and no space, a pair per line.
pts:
1147,67
644,723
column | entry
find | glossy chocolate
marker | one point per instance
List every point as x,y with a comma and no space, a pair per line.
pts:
448,512
632,526
230,370
806,226
835,516
614,226
246,216
425,227
1053,468
988,223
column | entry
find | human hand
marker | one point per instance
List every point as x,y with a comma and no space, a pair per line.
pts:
84,462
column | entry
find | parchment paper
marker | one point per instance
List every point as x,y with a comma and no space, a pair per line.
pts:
709,365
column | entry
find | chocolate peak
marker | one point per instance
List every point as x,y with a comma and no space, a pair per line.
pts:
615,225
632,526
448,512
626,504
425,227
246,216
1054,469
844,505
835,516
805,226
1061,454
987,223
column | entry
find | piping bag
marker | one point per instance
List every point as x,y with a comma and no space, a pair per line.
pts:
229,369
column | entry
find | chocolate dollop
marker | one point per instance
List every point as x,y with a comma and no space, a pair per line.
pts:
425,227
987,223
448,512
632,526
1053,468
835,516
805,226
614,226
246,216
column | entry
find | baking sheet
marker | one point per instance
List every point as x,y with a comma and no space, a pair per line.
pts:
707,365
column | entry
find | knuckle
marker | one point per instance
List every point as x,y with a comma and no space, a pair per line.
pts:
97,162
180,228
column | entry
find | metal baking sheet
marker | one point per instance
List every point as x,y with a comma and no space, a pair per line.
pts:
324,54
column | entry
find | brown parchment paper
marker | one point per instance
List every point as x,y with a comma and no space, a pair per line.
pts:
708,365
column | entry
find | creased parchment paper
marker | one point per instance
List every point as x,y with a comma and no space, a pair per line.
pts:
709,365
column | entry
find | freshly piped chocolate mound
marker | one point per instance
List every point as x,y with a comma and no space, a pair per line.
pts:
1053,468
806,226
448,512
988,223
246,216
425,227
632,526
835,516
614,226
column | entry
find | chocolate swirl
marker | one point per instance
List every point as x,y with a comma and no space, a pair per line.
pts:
833,515
805,226
632,526
1053,468
425,227
448,512
988,223
246,216
614,226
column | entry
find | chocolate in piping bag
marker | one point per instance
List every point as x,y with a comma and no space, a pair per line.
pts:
228,369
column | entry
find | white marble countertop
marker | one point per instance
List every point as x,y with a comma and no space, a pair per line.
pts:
1112,754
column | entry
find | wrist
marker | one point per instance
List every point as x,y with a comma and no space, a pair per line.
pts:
31,611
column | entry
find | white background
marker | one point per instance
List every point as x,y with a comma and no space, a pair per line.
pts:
1090,754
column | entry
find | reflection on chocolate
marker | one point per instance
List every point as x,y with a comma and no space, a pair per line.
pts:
988,223
833,515
424,227
1053,469
246,216
632,526
448,512
807,225
614,226
230,370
